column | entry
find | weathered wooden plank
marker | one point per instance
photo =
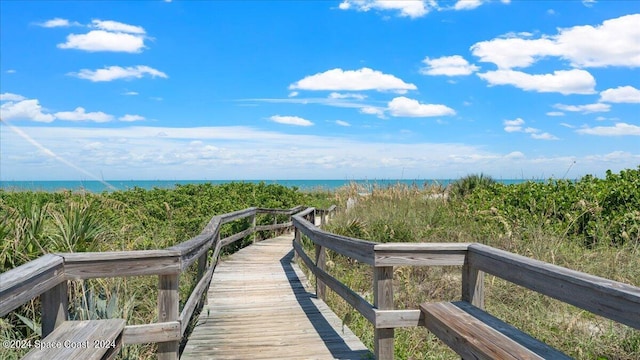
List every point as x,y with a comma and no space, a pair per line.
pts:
321,259
383,300
168,299
120,263
81,340
237,215
420,254
19,285
475,334
350,296
398,318
472,284
280,211
259,308
273,226
152,333
194,298
360,250
55,304
235,237
204,243
611,299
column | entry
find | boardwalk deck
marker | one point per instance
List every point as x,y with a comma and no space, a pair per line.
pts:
259,308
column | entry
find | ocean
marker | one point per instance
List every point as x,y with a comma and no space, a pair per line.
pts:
123,185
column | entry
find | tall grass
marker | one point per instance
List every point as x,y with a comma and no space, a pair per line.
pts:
410,214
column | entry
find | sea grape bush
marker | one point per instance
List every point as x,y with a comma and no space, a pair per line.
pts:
592,210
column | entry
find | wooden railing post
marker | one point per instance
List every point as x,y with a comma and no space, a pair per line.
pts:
472,284
202,268
383,300
296,239
321,259
168,311
253,226
55,306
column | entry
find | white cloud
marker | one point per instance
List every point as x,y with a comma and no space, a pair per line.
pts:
117,27
555,113
293,94
24,110
11,97
372,110
11,71
352,80
116,72
58,22
543,136
101,40
291,120
131,93
467,4
335,95
130,118
342,123
585,109
621,94
406,8
613,43
566,82
516,125
405,107
79,114
513,125
454,65
588,3
619,129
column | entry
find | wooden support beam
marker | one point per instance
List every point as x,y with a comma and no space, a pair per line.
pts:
383,300
167,312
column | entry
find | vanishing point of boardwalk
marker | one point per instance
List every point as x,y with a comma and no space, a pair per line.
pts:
258,308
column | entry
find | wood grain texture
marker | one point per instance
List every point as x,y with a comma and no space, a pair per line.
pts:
168,299
27,281
76,341
259,308
120,263
383,300
54,305
474,334
614,300
152,333
357,249
420,254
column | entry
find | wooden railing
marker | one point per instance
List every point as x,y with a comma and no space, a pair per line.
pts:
614,300
47,277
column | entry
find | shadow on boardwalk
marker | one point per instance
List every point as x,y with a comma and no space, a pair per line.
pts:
258,308
308,301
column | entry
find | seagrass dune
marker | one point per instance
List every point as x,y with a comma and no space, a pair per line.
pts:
259,308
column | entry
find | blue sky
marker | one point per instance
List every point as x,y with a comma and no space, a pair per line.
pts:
318,89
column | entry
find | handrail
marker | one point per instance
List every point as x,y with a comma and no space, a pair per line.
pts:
614,300
47,276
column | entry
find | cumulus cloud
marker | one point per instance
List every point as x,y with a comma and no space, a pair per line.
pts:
613,43
79,114
517,125
405,8
108,36
454,65
24,110
467,4
619,129
566,82
116,72
405,107
372,110
585,109
291,120
352,80
131,118
621,94
11,97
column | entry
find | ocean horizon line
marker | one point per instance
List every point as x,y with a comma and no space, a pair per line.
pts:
98,186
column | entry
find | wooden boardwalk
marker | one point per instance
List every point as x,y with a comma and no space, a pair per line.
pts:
259,308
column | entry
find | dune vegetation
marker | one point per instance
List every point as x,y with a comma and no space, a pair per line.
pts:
590,225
